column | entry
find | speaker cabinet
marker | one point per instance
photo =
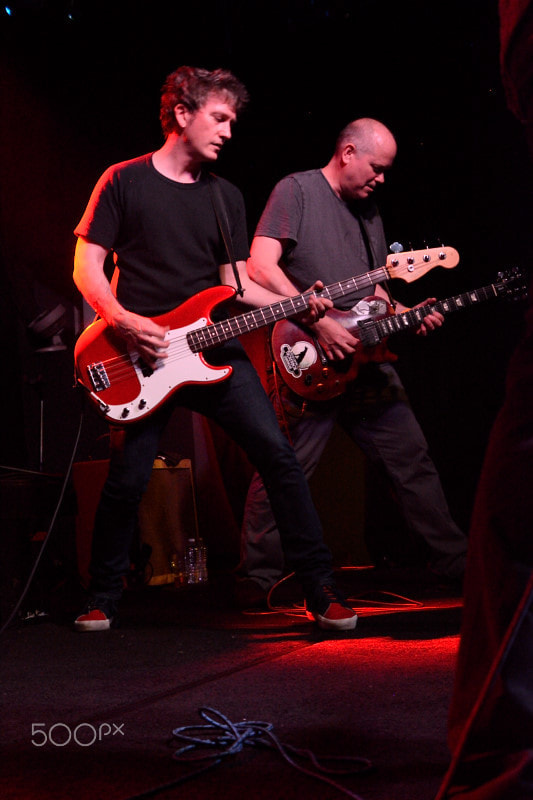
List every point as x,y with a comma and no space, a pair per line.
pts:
167,514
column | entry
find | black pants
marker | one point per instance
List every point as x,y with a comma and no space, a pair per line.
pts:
241,407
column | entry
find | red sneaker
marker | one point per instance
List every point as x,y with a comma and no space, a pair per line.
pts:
98,615
331,612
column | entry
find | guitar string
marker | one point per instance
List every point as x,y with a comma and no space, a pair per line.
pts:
251,320
396,323
332,291
261,317
119,367
181,346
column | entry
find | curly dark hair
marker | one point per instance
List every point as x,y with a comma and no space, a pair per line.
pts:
191,86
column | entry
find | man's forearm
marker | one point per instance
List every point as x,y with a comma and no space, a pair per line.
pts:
91,280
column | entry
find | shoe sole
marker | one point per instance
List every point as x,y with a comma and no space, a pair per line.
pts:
325,624
93,625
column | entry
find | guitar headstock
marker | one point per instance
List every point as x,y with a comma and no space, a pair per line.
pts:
512,283
413,264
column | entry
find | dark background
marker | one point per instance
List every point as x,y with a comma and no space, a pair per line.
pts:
79,87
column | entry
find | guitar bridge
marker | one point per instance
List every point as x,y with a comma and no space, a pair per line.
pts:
98,376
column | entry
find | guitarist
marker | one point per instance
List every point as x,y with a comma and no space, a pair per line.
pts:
324,224
157,216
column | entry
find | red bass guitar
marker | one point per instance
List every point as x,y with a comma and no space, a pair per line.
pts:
125,389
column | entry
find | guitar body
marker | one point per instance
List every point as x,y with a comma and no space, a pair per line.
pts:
122,386
302,363
125,389
306,370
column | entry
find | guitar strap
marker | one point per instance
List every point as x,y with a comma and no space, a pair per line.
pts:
221,214
222,219
372,260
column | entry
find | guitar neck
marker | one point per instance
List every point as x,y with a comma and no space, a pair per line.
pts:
371,332
220,332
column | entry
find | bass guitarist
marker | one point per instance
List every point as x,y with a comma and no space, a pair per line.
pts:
324,224
157,215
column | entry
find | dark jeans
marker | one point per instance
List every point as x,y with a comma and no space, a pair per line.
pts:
241,407
375,414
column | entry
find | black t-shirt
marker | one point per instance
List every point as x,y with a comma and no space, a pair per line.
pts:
164,234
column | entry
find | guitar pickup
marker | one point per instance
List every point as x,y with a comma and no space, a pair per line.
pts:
145,369
98,376
368,334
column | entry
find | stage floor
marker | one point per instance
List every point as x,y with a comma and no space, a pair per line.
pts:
90,716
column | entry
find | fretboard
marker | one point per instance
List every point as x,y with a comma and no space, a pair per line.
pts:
371,332
219,332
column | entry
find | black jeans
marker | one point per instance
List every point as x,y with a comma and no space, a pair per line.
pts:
241,407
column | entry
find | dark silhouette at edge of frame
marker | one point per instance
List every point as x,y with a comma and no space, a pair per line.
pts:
491,713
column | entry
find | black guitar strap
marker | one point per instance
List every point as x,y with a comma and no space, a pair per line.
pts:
221,214
372,260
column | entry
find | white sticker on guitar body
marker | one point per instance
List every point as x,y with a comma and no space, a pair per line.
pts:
298,357
369,308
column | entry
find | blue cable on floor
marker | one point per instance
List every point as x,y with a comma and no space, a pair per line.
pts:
224,738
228,738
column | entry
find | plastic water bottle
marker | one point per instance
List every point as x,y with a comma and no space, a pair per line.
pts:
191,561
202,561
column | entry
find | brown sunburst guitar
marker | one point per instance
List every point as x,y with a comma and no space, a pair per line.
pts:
302,362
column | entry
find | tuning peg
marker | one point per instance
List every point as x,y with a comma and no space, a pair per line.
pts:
396,247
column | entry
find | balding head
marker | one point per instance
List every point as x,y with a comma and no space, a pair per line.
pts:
366,134
365,150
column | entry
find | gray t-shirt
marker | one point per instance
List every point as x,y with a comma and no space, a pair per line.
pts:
323,234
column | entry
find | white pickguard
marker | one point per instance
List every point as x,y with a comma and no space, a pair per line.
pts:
182,366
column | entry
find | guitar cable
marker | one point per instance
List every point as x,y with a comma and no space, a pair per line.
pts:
50,528
206,746
495,668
